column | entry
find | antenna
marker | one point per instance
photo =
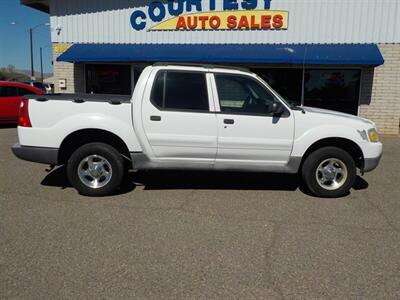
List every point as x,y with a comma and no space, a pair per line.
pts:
304,77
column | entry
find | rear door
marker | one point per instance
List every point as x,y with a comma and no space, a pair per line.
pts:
9,103
179,118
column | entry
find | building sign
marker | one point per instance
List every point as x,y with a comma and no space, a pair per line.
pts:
202,15
60,48
238,20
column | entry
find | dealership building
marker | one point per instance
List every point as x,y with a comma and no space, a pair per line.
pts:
336,54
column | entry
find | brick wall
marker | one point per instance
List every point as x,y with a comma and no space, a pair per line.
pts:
73,73
380,91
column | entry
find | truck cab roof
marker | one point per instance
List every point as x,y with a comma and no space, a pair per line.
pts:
203,67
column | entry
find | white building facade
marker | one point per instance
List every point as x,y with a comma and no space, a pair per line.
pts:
336,54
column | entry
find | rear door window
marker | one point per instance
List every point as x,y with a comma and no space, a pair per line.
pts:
175,90
8,91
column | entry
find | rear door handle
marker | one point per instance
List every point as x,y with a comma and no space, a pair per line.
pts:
229,121
155,118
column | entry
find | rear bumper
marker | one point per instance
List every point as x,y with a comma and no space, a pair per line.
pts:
36,154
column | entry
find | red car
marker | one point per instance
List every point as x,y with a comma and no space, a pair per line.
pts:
11,94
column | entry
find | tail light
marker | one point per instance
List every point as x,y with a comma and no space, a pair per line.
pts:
23,119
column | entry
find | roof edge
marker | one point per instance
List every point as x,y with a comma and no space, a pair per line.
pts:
294,54
42,5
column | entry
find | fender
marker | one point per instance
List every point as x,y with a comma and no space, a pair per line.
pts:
53,136
101,122
304,141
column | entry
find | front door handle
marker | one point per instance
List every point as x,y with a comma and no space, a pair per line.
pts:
229,121
155,118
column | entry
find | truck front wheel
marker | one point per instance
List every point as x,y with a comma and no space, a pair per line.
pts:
96,169
329,172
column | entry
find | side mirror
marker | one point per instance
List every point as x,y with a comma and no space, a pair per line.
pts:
277,108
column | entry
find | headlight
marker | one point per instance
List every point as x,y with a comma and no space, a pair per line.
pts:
373,135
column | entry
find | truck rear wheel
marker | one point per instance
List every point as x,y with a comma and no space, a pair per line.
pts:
96,169
329,172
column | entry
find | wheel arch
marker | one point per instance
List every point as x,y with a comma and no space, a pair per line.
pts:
343,143
81,137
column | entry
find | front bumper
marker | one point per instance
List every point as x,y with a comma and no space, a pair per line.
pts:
371,164
372,155
36,154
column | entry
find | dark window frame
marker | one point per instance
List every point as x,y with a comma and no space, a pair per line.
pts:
285,114
164,73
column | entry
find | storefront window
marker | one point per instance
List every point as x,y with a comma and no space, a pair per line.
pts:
287,82
333,89
137,71
108,79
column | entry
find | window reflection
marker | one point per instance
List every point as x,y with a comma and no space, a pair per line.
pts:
287,82
333,89
108,79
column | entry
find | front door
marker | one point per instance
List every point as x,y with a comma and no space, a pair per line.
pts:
178,120
249,133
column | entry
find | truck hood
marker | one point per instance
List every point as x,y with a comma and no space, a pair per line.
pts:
331,113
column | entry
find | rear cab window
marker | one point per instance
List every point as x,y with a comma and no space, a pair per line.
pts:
180,91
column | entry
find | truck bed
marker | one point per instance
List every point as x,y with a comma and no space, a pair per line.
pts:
55,116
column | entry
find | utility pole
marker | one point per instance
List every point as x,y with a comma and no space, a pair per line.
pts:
31,42
31,29
41,63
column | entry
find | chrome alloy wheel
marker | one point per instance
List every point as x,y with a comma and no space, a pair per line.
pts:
95,171
331,174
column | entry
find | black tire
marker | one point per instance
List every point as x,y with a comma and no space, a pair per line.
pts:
112,162
318,157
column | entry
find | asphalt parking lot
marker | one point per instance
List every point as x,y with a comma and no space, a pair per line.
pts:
183,235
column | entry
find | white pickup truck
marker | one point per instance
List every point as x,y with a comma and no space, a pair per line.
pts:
199,118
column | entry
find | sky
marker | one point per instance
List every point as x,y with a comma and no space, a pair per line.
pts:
14,39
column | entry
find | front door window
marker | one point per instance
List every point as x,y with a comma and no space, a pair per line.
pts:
243,95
